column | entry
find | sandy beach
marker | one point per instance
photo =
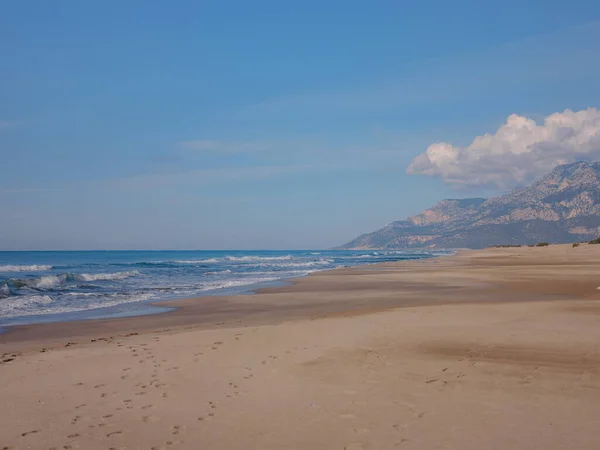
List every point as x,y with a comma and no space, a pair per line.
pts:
491,349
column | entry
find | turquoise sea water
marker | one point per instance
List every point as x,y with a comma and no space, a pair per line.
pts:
54,286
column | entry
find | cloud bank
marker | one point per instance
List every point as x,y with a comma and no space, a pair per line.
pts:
518,152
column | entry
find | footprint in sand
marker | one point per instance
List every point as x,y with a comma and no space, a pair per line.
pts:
27,433
150,419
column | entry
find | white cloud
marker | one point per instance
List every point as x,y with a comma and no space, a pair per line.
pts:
519,151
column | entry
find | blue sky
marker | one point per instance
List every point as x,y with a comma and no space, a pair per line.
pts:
266,124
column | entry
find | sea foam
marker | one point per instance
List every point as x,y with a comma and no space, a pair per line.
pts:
106,276
53,281
258,258
80,281
44,304
26,268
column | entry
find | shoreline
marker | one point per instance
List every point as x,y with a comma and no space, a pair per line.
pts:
241,281
409,285
479,347
56,333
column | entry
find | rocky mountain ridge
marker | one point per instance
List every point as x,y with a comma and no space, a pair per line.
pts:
562,206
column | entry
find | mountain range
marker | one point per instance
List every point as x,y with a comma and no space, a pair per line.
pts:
562,206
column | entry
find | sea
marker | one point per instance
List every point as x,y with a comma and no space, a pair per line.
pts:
50,286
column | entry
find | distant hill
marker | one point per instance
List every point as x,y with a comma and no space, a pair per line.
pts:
562,206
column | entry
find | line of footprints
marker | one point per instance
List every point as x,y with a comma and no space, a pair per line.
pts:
143,354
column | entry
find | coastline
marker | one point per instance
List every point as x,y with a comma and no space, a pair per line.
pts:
366,289
46,287
204,312
470,351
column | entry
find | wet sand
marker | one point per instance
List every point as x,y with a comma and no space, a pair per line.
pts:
487,349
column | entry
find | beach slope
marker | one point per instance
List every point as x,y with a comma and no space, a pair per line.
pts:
487,349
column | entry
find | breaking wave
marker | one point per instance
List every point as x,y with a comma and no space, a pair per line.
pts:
258,258
218,272
31,305
195,261
106,276
47,282
81,281
29,268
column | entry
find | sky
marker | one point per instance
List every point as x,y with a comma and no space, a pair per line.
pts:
279,125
